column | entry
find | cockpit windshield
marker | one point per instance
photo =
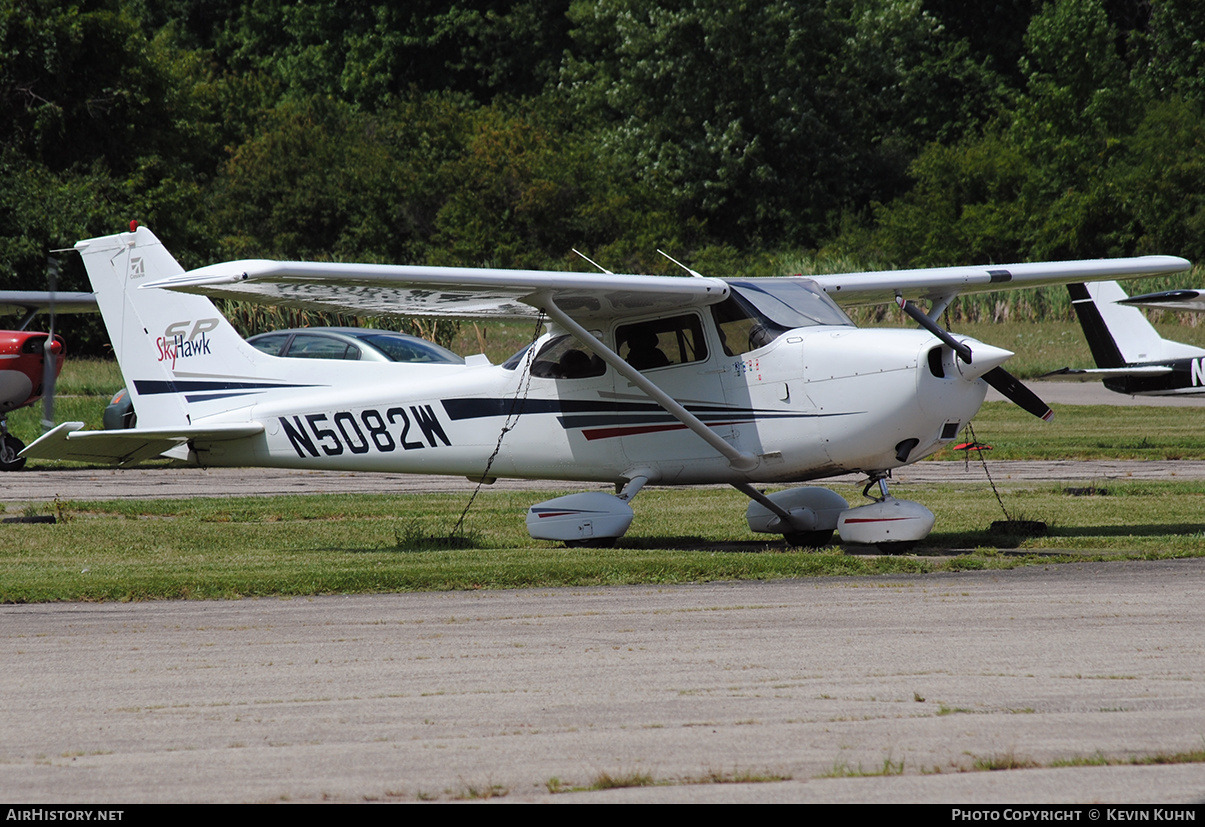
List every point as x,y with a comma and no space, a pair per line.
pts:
791,302
759,311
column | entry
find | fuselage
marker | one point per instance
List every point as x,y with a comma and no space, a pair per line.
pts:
22,367
1184,377
810,403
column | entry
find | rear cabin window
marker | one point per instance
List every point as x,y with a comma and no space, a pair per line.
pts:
662,342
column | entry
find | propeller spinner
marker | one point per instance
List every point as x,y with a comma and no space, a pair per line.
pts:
1009,386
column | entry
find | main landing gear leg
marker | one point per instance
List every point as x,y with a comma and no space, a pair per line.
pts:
891,525
10,447
804,517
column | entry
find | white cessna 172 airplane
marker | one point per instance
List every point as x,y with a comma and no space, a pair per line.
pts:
637,380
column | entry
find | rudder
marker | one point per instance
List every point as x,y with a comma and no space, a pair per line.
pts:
162,339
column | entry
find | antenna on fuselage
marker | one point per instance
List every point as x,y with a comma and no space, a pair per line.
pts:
592,261
694,273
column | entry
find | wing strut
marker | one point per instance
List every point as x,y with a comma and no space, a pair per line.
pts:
739,460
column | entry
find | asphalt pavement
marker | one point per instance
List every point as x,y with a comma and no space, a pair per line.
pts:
878,689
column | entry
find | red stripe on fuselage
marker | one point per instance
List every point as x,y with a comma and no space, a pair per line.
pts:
634,430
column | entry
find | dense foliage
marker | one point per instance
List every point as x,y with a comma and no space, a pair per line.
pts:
903,132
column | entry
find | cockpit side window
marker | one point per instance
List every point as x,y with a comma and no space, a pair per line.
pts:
741,327
564,357
662,342
514,361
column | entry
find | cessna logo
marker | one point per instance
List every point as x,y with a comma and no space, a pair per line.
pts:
181,340
137,271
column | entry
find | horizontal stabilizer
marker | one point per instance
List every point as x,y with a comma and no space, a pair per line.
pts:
1093,374
1169,300
127,447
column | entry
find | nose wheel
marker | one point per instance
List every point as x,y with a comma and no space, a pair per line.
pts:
890,525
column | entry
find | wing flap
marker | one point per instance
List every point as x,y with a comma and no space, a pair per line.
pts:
458,292
127,447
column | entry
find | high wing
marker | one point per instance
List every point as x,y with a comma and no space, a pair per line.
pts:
40,300
462,292
940,283
34,301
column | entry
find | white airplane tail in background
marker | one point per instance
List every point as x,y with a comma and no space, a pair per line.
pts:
1120,335
166,343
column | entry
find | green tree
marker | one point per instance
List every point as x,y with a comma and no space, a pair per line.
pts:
373,54
1037,184
1161,177
1171,52
767,120
966,207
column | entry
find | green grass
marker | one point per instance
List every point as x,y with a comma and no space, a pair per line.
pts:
1088,432
621,780
212,548
89,377
1196,756
1002,761
82,391
842,769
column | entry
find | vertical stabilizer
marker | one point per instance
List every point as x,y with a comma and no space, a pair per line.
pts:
167,344
1119,335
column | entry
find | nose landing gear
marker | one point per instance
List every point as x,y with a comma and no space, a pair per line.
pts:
893,526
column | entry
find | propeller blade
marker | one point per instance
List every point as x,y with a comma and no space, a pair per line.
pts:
49,357
918,315
1012,389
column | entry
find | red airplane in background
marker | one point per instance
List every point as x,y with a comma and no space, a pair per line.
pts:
23,359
